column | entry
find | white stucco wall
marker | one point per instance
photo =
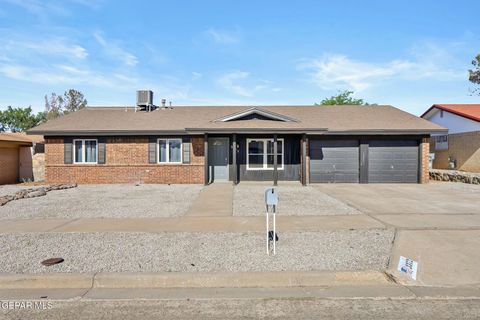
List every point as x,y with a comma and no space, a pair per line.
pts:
454,123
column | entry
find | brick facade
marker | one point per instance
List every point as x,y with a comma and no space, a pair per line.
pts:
464,148
126,162
424,160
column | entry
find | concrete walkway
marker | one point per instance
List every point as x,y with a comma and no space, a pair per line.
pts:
214,200
190,224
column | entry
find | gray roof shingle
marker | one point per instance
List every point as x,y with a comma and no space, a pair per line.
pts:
194,119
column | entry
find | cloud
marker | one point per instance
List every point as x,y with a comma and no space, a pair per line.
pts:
57,47
58,75
238,82
229,82
335,71
196,75
44,8
113,50
223,37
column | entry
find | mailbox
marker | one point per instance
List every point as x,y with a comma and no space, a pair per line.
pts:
271,204
271,197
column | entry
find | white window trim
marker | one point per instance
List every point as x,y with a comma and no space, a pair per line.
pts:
84,158
167,158
265,155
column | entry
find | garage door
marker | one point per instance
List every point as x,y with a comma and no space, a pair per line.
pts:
9,165
334,161
393,161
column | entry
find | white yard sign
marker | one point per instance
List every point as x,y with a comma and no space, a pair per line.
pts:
408,266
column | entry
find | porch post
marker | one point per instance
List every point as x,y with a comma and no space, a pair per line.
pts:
304,159
275,164
205,156
234,158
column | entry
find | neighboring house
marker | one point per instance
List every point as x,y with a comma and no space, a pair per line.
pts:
460,149
357,144
20,158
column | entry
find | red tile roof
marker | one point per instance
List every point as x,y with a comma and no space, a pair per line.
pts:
469,111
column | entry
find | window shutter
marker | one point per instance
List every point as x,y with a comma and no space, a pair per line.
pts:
187,146
68,150
102,141
152,150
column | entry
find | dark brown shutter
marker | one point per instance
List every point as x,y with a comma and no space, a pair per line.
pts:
187,146
101,150
152,150
68,150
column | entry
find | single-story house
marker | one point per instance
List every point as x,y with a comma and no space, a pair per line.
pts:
204,144
460,148
17,157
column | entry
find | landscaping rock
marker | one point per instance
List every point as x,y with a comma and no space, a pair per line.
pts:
34,192
455,176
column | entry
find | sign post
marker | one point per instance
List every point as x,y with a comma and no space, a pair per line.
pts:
271,203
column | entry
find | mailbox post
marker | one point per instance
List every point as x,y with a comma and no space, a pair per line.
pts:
271,203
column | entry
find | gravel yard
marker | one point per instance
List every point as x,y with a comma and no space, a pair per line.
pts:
105,201
294,199
195,252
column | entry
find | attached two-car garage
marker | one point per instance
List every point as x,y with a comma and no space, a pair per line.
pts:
367,161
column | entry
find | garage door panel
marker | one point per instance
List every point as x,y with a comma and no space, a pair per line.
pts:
334,161
393,161
8,165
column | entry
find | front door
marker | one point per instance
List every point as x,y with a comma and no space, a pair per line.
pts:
218,159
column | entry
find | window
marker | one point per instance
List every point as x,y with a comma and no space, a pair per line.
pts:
170,150
85,150
441,113
441,142
260,154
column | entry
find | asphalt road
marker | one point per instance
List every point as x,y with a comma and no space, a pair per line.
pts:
312,308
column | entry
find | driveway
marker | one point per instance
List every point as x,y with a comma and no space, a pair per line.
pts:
294,199
433,198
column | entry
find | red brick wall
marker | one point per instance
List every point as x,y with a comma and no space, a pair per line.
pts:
126,162
424,162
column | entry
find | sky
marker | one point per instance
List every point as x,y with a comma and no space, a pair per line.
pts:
410,54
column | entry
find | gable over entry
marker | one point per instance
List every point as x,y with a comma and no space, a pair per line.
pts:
255,113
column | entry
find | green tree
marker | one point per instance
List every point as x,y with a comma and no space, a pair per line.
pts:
72,100
343,97
474,74
19,119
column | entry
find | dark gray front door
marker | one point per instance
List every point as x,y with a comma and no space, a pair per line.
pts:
334,161
218,159
393,161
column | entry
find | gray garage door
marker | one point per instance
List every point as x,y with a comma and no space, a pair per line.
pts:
334,161
393,161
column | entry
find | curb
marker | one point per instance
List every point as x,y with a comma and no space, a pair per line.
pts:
192,280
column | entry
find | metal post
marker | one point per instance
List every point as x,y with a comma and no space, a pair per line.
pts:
205,154
234,159
304,159
274,230
275,164
267,224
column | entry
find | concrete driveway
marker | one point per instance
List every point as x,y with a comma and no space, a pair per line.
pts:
433,198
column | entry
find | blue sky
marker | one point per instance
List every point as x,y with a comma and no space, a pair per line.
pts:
410,54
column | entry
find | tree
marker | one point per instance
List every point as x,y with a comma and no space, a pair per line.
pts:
71,101
19,119
343,97
474,74
53,106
